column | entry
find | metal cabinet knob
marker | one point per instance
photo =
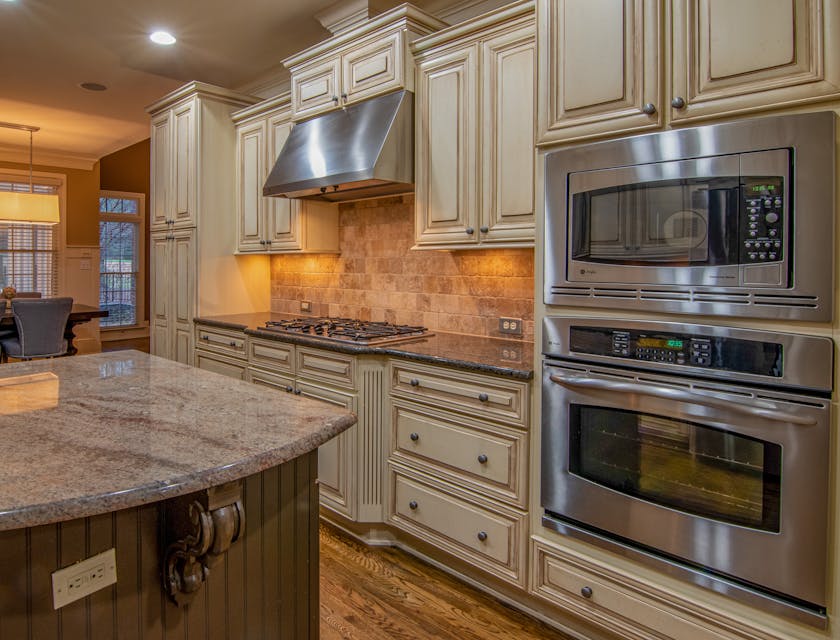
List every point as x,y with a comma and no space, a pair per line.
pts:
232,343
484,229
482,459
678,102
414,382
483,397
469,231
414,437
289,388
268,242
649,108
586,592
335,99
482,535
297,392
344,97
412,505
205,337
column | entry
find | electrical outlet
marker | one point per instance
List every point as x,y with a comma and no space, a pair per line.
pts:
512,326
83,578
305,305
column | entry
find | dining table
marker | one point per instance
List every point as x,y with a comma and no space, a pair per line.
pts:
79,314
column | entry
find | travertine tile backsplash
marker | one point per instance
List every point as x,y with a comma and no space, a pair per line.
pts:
378,276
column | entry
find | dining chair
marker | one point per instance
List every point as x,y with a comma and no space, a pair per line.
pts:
40,328
28,294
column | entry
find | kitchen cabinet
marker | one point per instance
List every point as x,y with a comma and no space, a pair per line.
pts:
358,63
270,224
193,269
601,62
458,464
474,142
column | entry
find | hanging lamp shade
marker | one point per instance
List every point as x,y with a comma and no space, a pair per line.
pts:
32,208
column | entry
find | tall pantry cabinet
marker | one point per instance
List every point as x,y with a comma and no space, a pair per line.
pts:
193,268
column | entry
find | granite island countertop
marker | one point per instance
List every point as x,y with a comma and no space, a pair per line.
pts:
92,434
511,358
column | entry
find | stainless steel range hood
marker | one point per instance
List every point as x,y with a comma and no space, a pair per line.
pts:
361,151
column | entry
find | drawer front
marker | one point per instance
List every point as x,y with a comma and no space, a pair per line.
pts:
221,341
373,68
219,364
273,380
482,457
337,368
275,356
489,537
485,397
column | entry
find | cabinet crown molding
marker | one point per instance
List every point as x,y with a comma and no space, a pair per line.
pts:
278,102
203,90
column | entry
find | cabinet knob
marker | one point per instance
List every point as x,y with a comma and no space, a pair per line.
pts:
297,392
232,343
344,97
482,535
678,102
483,397
649,108
586,592
414,382
412,505
335,99
205,337
268,242
414,437
482,459
469,231
484,229
289,389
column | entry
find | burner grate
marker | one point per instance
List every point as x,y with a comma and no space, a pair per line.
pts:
348,329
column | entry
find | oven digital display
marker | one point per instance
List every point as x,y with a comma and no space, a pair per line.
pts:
661,343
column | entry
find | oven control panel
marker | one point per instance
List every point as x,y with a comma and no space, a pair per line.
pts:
706,352
762,220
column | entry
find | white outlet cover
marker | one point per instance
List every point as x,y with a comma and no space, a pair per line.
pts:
83,578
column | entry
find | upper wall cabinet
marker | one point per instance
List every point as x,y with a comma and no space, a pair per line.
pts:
274,225
359,63
601,60
474,132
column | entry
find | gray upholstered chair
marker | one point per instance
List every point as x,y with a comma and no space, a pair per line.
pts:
40,328
28,294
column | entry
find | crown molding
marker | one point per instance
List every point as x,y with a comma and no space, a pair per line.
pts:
45,158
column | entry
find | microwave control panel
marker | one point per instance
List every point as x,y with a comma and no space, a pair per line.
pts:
707,352
762,219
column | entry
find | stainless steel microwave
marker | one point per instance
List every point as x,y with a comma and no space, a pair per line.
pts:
732,219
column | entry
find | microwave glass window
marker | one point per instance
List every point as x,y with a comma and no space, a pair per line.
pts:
668,222
679,465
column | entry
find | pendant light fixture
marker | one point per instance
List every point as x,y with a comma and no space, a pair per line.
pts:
28,206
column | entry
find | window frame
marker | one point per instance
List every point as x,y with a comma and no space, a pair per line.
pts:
140,219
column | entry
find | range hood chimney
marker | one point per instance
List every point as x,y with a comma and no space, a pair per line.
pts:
364,150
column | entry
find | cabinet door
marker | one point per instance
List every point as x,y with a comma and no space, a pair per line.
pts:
507,138
182,284
445,160
250,177
184,169
736,57
598,68
373,68
161,186
159,259
283,214
315,89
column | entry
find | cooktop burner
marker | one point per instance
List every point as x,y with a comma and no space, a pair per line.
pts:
348,330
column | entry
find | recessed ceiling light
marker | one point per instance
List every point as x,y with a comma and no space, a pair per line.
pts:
162,37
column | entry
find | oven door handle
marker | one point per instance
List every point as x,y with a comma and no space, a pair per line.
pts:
681,396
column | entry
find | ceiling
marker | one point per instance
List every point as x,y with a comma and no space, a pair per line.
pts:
54,45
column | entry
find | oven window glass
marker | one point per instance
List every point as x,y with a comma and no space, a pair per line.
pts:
667,222
681,465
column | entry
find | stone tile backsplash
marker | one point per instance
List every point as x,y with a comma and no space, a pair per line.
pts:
378,276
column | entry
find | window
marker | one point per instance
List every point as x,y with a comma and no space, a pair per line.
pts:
29,252
121,258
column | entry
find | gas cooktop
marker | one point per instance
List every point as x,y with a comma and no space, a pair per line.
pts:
348,330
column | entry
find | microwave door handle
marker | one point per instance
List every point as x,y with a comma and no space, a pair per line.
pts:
681,396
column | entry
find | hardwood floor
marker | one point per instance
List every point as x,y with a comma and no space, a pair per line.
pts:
378,593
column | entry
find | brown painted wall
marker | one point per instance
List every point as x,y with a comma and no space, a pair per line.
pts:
129,170
82,222
378,277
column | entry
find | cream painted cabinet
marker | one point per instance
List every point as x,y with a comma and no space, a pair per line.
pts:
269,224
600,62
174,187
358,63
474,142
172,271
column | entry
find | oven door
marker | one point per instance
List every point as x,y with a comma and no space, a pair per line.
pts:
728,479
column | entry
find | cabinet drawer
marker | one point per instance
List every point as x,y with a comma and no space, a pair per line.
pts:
483,457
480,396
230,342
276,356
486,535
337,368
219,364
265,379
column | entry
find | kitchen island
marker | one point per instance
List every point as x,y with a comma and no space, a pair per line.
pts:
203,486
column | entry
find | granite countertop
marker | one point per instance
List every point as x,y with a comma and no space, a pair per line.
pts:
512,358
92,434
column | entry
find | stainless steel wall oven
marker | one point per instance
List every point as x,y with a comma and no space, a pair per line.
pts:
702,449
730,219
